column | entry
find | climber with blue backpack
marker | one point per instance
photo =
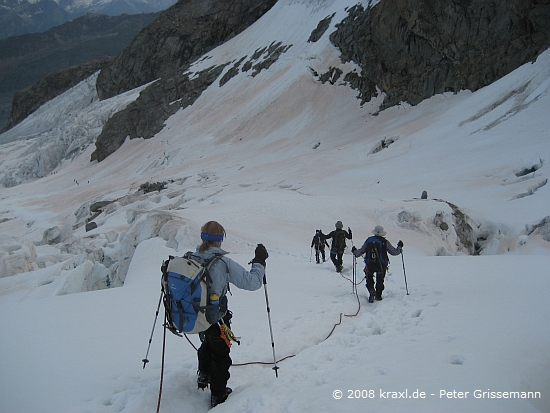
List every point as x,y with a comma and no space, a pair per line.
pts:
213,354
376,249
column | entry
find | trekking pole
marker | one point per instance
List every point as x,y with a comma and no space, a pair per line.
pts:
270,328
354,275
310,252
404,273
146,360
162,365
353,270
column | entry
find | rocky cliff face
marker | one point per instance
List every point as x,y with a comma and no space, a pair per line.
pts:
413,50
181,34
163,50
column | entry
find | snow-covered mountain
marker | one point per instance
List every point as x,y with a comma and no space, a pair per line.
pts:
114,7
19,17
274,156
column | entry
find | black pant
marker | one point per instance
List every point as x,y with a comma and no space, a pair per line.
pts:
322,251
213,355
380,274
336,258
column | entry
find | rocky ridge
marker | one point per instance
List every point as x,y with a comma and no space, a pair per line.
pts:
413,50
181,35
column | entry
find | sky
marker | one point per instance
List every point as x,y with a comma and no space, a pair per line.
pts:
273,157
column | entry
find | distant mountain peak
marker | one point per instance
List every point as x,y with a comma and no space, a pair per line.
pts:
18,17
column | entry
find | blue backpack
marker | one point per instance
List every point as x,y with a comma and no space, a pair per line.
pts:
188,304
376,252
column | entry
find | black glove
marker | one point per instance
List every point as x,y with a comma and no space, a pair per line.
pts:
227,318
353,249
260,255
400,244
349,230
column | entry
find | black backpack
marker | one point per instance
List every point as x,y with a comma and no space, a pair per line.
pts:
318,240
376,256
339,242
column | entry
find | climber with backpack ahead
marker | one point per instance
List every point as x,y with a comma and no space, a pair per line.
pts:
211,321
319,245
338,244
376,249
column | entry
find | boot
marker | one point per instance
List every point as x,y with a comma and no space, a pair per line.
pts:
202,379
215,400
371,297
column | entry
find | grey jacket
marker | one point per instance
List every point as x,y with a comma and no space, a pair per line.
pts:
226,271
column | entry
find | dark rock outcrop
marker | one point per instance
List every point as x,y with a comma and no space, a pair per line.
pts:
321,28
99,205
413,50
272,54
152,187
90,226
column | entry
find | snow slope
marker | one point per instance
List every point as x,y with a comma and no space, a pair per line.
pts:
273,157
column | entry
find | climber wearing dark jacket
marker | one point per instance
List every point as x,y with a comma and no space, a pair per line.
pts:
338,244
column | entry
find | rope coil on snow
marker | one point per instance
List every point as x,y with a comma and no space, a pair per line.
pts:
293,355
